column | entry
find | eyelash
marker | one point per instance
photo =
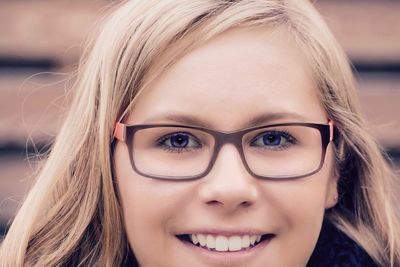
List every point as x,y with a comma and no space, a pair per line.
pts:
160,142
290,139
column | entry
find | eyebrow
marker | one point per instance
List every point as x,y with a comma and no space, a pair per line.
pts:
257,120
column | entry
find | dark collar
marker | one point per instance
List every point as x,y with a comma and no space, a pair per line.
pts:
335,249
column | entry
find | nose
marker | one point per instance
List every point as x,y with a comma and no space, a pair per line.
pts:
229,186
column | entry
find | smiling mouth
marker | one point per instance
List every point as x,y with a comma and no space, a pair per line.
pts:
220,243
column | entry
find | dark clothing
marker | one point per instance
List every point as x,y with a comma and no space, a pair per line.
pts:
335,249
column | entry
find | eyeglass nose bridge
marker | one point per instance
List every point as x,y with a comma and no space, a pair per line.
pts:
224,138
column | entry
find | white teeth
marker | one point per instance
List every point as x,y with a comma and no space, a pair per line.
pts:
253,239
245,241
210,241
202,240
221,243
194,239
235,243
225,243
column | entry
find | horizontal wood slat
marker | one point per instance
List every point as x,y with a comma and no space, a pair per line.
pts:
369,30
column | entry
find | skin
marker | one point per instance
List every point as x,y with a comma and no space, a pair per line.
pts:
236,75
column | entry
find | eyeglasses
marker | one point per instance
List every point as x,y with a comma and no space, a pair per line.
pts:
182,152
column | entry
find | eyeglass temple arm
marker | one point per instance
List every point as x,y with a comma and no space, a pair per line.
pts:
331,130
120,131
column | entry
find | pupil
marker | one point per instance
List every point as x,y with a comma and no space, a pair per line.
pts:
179,140
271,139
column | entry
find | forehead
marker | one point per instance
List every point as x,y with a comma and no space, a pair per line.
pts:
239,74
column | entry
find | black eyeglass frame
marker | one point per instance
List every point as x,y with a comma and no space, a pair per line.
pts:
125,133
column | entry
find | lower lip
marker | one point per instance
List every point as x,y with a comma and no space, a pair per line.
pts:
227,258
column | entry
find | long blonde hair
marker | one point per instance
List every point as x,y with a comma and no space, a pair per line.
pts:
72,214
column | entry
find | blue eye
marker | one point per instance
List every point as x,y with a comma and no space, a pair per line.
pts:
178,142
274,140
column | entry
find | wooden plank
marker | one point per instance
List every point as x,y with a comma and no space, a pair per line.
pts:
30,107
380,99
369,30
16,177
47,29
33,107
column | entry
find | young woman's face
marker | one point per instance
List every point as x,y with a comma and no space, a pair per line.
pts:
236,76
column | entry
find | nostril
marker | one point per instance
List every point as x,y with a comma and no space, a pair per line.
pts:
245,204
214,203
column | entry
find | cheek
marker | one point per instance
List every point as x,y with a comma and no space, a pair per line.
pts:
149,203
303,202
299,207
149,206
142,216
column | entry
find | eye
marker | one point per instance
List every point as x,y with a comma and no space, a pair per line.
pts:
274,140
179,142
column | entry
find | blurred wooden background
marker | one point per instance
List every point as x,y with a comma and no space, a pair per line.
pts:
40,44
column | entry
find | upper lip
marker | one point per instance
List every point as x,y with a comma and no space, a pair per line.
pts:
225,232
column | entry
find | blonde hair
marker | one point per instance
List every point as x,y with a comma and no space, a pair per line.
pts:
72,214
